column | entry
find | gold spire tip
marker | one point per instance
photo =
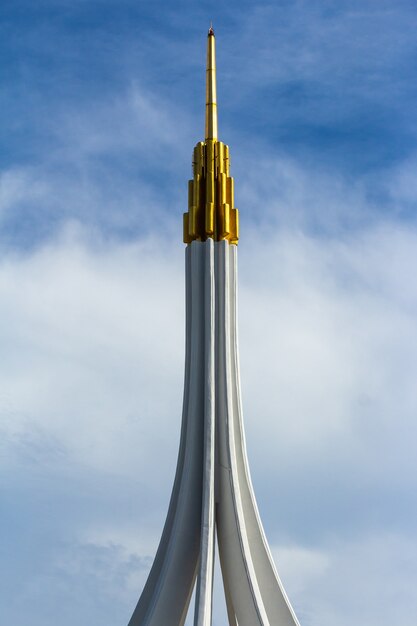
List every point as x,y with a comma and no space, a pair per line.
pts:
211,207
211,101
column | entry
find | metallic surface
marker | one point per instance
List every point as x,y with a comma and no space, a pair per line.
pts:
212,492
211,96
211,211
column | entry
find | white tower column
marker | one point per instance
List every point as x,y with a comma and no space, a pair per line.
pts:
212,492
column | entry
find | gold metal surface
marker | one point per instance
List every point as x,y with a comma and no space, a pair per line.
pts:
211,96
211,211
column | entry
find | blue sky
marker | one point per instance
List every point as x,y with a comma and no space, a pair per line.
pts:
102,103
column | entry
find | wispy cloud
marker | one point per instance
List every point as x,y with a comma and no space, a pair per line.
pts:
344,582
101,110
91,334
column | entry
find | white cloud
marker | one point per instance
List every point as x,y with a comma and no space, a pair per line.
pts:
402,186
335,340
17,185
91,328
300,568
91,381
312,43
369,581
89,341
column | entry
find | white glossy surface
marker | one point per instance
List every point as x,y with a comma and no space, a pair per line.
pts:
212,490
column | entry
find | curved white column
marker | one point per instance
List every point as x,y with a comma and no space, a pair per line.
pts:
204,594
167,592
256,592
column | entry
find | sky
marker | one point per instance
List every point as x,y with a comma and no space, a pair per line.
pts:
101,105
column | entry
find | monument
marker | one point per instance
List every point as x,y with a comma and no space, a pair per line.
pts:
212,493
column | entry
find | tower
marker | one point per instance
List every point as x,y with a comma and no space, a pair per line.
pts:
212,492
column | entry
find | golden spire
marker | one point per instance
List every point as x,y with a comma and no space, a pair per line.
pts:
211,99
211,211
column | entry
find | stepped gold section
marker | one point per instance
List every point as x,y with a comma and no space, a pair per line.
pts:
211,211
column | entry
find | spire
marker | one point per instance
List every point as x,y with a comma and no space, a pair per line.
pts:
211,211
211,100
